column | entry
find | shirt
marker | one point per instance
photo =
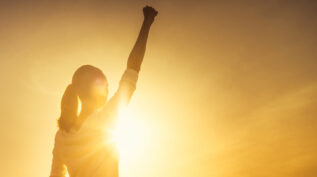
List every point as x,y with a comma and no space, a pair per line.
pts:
89,151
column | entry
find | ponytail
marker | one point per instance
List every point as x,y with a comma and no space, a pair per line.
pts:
69,106
82,79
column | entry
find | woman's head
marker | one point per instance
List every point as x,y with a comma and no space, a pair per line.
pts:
90,85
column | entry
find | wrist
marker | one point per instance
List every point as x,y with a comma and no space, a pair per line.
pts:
148,21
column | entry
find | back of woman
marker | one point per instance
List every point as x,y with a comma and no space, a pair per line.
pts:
89,151
83,144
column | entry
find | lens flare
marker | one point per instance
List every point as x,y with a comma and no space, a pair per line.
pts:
128,134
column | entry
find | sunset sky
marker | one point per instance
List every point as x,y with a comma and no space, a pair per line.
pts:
226,89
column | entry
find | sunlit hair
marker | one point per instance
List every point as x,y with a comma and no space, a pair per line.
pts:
82,81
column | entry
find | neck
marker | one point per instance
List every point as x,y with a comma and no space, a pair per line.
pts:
86,110
84,113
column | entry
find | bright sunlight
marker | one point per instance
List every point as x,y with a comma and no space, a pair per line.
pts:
129,134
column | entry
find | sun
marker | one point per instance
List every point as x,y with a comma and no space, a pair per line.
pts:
128,134
131,138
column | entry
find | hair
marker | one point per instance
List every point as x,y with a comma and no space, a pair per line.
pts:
81,82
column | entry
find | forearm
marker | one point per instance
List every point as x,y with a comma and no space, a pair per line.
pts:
137,54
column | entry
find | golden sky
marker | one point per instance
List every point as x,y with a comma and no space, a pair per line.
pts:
226,88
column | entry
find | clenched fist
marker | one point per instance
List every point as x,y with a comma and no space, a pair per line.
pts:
149,14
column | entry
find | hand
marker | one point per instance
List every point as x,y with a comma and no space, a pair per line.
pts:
149,14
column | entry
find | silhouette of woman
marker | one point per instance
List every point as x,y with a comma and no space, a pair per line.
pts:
82,143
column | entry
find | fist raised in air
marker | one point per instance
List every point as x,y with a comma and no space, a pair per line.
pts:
149,14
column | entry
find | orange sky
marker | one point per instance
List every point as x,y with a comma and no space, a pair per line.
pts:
226,89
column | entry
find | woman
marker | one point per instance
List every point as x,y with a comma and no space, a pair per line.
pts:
83,145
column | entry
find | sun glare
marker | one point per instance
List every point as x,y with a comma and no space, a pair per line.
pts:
129,134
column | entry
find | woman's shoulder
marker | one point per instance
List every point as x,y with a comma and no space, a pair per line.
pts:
62,134
94,121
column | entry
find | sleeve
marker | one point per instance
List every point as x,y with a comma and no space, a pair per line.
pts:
122,96
127,86
58,168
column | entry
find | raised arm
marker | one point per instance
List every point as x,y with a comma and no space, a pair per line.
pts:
128,81
136,56
129,78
